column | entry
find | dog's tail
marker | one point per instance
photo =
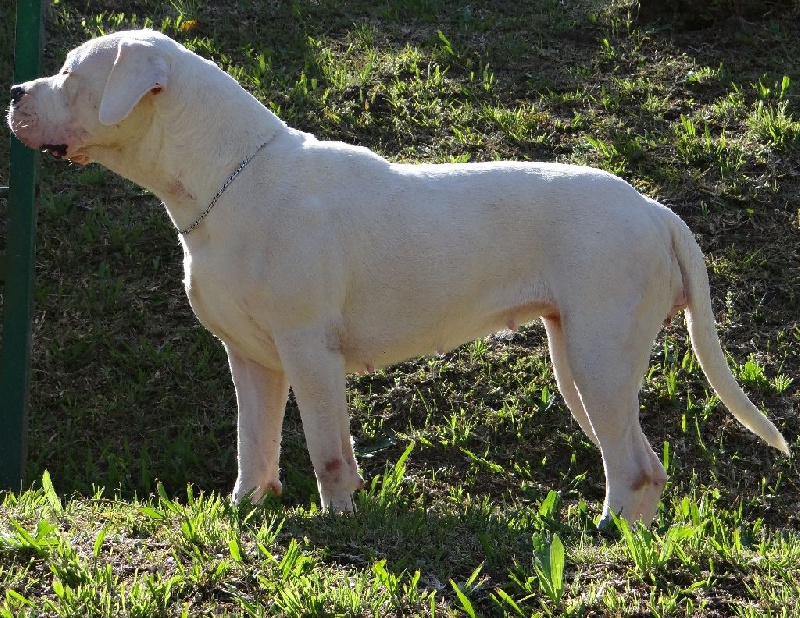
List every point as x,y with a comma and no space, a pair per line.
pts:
705,341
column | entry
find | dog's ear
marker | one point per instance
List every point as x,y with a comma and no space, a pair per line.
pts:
138,69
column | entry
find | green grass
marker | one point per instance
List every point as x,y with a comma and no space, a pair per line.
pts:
481,491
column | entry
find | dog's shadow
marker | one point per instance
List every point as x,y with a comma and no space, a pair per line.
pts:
402,541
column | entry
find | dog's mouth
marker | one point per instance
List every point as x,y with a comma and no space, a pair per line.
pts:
57,150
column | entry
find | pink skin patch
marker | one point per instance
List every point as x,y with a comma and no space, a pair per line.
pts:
80,159
641,481
332,472
333,465
681,302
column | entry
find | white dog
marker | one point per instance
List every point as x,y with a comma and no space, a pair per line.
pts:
311,259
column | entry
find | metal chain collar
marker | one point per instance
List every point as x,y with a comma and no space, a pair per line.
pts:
224,186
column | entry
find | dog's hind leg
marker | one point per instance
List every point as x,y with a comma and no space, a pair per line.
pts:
261,398
608,359
564,379
316,371
651,496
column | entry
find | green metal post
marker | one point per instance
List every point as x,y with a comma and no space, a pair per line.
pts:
18,266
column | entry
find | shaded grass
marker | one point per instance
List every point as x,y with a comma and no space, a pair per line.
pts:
130,394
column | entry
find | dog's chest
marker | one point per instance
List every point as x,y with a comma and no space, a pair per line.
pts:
220,303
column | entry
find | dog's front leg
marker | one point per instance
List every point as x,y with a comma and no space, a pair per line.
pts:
316,370
261,397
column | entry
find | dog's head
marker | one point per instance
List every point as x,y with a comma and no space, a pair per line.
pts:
99,98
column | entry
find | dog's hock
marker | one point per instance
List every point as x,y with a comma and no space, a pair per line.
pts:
138,69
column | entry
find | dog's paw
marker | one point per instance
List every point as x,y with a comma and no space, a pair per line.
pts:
254,493
338,504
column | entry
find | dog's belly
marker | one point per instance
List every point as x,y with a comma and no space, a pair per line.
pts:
374,340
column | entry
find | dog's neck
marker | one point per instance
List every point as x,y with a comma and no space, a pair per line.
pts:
228,181
168,161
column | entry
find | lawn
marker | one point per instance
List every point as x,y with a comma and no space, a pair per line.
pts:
482,492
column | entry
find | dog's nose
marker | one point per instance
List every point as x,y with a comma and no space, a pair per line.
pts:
17,92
